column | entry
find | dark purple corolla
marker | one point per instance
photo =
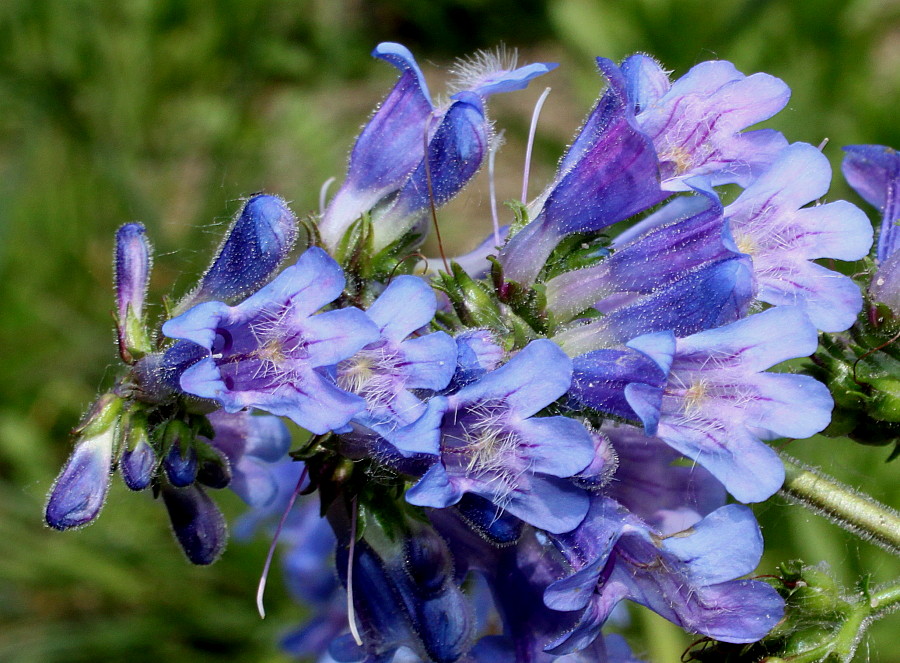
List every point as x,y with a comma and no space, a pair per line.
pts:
690,578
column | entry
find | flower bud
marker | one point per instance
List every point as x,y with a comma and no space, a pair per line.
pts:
180,461
259,239
133,263
213,468
197,523
81,487
139,460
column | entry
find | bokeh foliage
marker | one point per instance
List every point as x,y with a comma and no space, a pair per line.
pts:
168,111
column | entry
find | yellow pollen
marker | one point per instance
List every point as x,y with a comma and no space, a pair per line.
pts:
271,351
680,157
356,372
746,244
695,395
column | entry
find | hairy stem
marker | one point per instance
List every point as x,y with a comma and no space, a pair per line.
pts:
841,504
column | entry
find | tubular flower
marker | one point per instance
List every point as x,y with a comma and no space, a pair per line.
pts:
497,453
263,352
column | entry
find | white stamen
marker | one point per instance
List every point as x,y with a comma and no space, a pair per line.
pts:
534,120
492,152
261,588
323,193
351,614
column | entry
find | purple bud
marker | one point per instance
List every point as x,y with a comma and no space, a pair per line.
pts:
213,468
258,241
428,561
196,522
139,460
80,489
133,262
180,462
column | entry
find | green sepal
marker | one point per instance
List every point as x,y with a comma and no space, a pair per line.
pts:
354,253
574,252
103,413
472,301
134,337
394,258
520,216
529,304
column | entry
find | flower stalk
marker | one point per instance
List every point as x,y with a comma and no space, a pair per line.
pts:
841,504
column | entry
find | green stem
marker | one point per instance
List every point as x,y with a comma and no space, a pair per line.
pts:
885,598
841,504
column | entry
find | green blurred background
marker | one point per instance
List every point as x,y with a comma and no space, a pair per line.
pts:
168,111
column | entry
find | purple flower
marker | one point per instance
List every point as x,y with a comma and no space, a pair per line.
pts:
264,352
609,173
713,294
385,371
669,497
874,172
252,444
259,239
409,142
689,578
718,405
696,122
681,237
80,490
782,239
486,441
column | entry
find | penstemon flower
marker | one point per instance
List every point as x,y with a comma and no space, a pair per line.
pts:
499,452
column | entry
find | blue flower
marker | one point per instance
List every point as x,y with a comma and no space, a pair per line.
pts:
264,352
609,173
409,141
486,441
696,122
718,405
683,236
385,371
689,578
783,240
707,296
874,172
252,445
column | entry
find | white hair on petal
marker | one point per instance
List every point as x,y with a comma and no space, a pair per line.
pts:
473,70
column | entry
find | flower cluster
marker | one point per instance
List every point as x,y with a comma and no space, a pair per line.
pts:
506,449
